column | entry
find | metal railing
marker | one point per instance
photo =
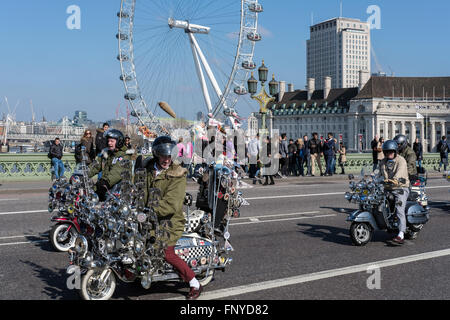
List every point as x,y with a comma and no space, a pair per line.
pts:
37,167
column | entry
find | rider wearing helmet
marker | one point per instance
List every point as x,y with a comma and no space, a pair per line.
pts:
408,153
109,162
395,172
169,177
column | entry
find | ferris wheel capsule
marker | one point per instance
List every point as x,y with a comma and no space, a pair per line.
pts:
123,57
125,78
249,65
254,36
130,96
256,7
241,90
122,36
123,14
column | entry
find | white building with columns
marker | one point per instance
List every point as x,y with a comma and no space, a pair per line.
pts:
384,106
387,106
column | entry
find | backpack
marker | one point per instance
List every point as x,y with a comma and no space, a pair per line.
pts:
443,146
78,155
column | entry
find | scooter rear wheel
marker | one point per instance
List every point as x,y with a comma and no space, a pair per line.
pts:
361,233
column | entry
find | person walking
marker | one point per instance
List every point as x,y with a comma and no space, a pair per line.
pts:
443,148
307,155
292,157
315,149
375,146
283,150
329,150
342,151
301,150
189,156
55,154
268,165
418,150
380,155
253,152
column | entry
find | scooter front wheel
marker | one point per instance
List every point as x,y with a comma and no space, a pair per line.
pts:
206,277
361,233
98,285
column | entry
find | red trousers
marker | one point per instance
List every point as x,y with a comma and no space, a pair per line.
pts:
183,269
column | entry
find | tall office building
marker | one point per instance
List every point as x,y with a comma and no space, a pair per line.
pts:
339,48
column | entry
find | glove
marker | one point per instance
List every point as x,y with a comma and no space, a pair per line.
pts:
102,188
391,181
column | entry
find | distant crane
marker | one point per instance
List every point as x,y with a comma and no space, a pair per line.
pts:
33,116
392,72
10,118
375,59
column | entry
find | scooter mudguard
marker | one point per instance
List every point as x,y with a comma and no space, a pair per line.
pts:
363,216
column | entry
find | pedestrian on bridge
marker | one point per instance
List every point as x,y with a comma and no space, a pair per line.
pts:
88,142
100,140
56,154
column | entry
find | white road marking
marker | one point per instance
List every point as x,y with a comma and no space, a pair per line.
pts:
26,235
437,187
276,215
22,212
272,284
23,242
296,196
9,199
286,219
253,220
13,237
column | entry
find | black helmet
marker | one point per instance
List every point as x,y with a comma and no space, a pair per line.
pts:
163,146
402,141
117,135
390,145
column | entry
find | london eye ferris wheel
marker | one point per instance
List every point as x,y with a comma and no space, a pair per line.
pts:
188,54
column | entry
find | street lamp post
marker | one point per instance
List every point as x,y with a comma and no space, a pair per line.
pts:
263,97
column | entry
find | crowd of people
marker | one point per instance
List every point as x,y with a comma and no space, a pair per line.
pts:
299,157
262,158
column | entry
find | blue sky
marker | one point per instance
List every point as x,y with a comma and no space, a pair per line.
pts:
65,70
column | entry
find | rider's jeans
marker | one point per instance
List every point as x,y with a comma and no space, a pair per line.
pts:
401,214
183,269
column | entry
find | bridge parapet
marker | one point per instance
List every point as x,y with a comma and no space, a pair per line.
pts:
37,167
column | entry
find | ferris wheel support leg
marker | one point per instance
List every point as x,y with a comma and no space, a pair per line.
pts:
207,67
201,77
